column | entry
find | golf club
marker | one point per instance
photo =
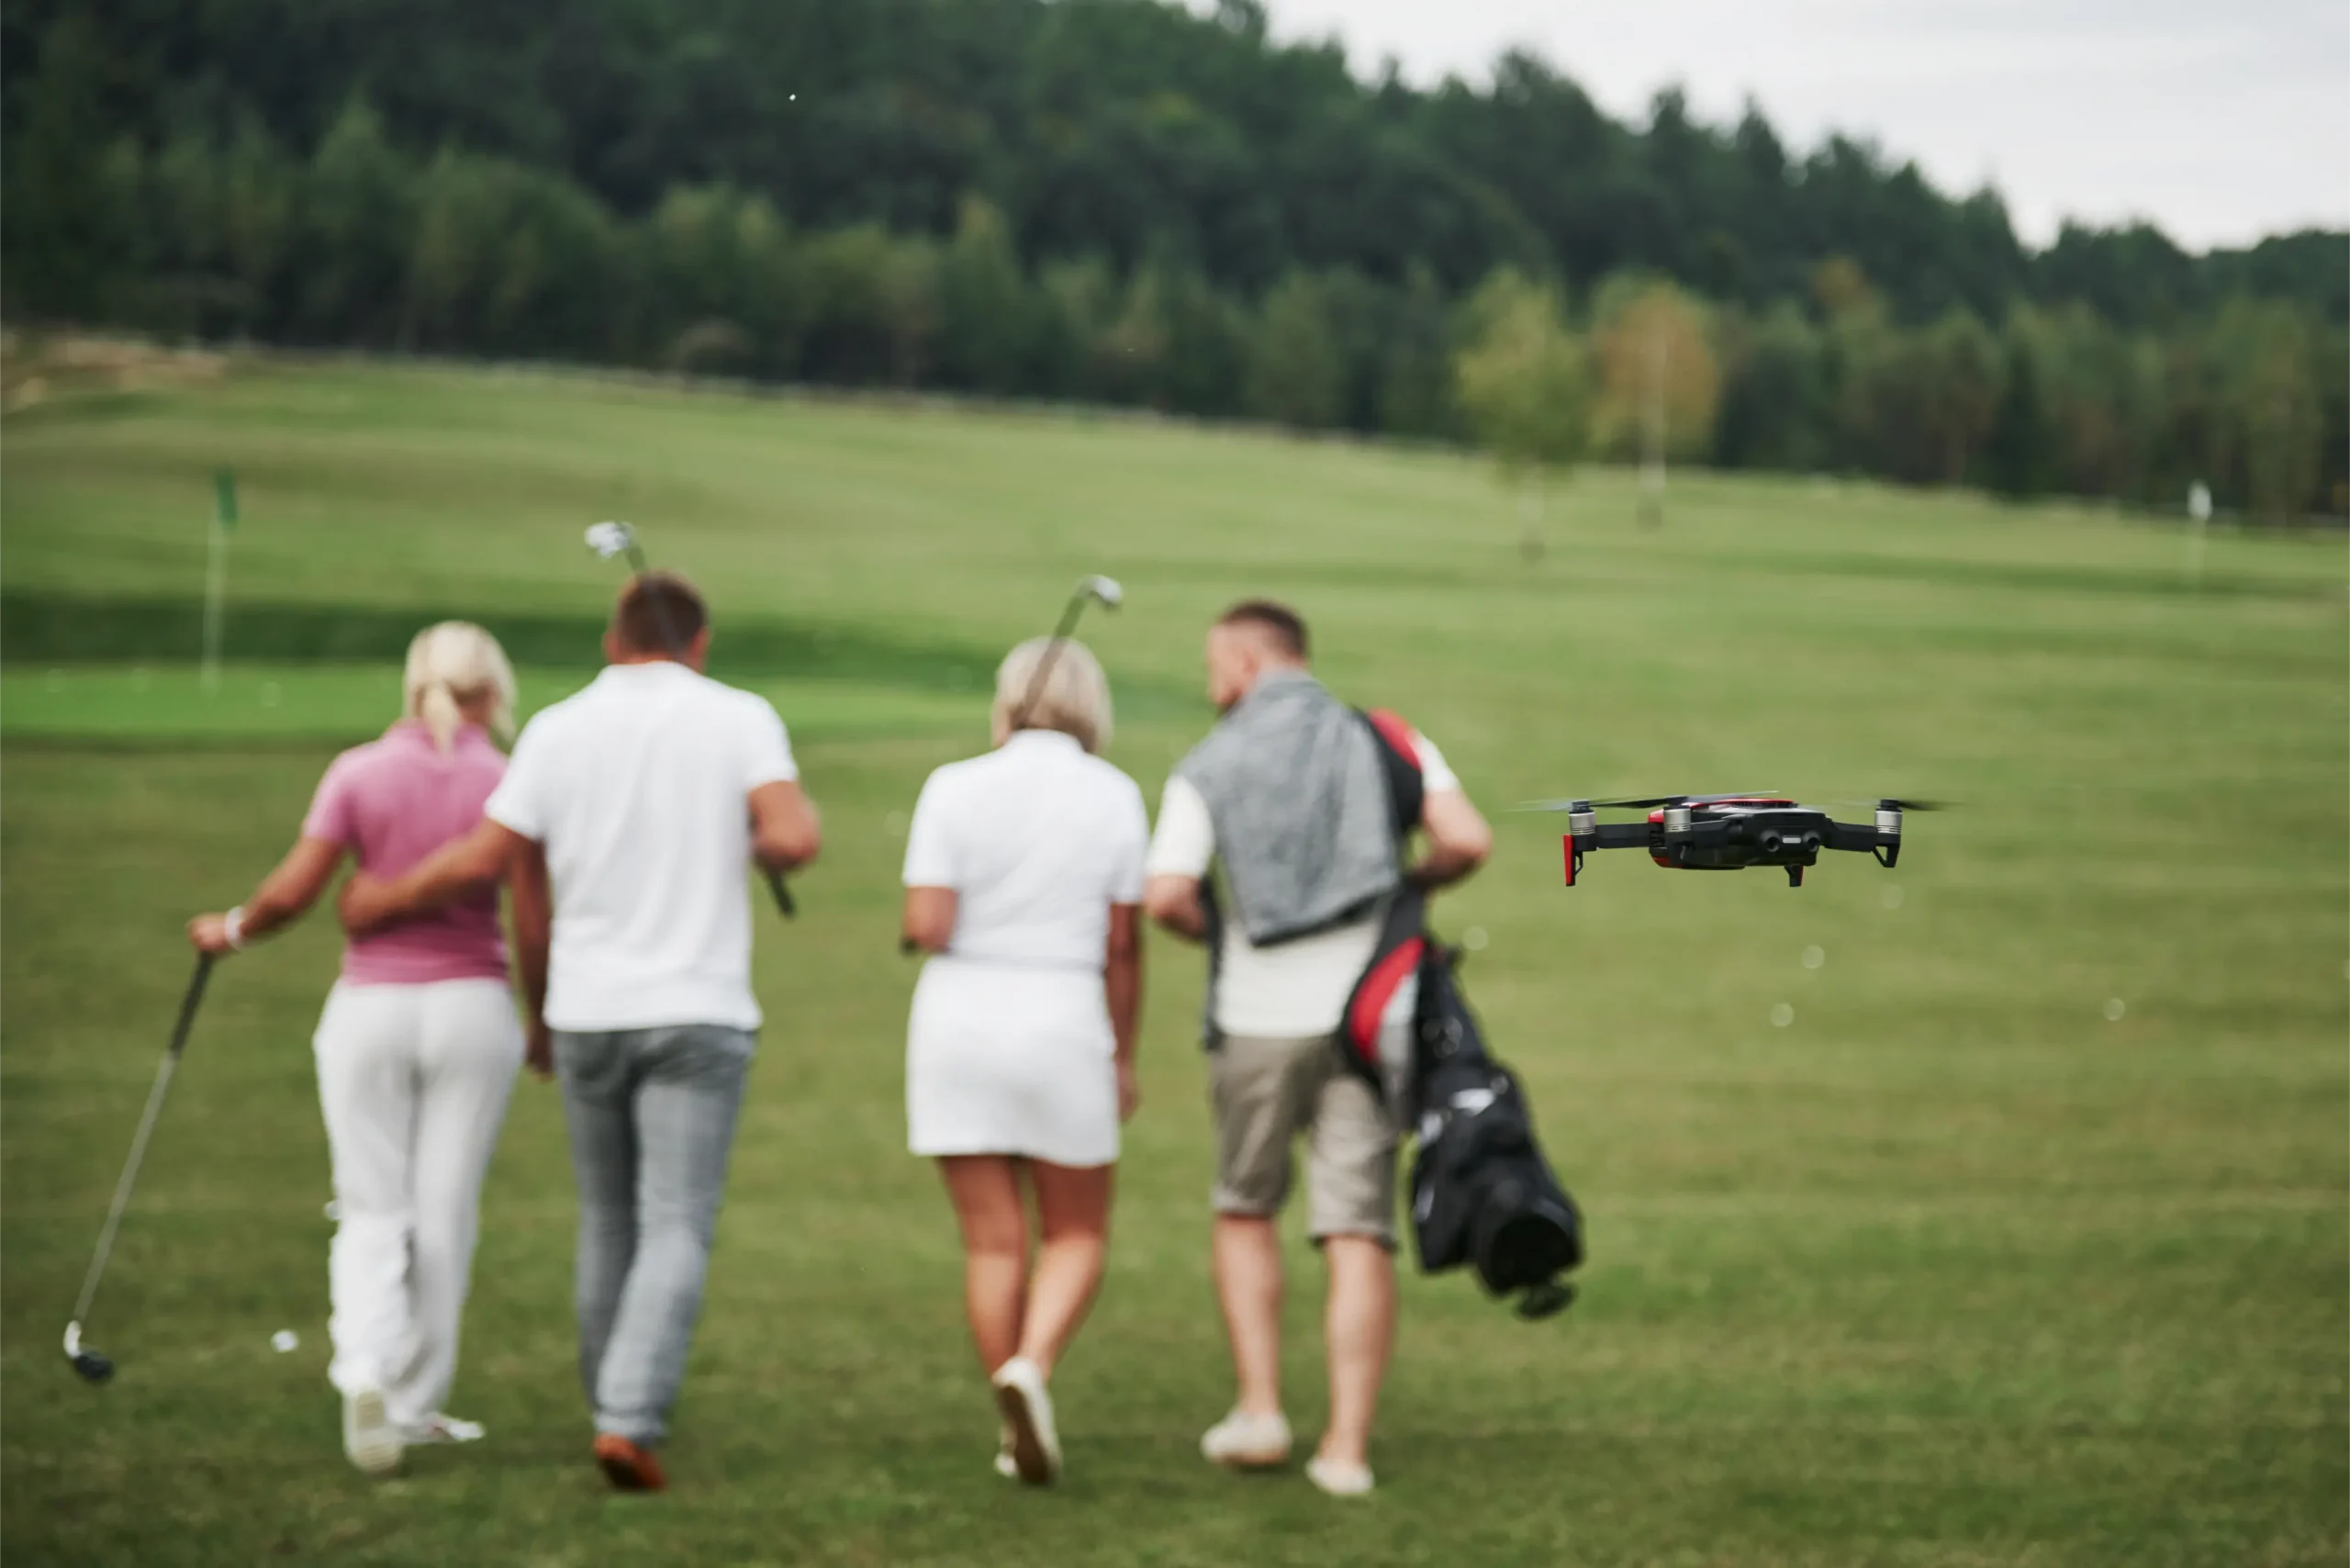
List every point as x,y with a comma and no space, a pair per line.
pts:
1104,590
610,539
1098,589
92,1366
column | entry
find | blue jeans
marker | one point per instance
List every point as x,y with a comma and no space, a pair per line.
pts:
652,1118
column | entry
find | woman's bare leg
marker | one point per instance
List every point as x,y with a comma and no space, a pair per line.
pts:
1073,1213
985,1189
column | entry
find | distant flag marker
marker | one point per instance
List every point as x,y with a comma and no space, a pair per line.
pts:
216,571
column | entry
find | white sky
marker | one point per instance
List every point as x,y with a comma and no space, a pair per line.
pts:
2222,120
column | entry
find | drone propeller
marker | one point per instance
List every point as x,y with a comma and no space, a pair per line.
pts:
1888,802
1652,800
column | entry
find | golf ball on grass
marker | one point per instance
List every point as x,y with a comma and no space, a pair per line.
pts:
284,1342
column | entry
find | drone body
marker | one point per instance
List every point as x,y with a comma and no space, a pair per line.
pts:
1730,832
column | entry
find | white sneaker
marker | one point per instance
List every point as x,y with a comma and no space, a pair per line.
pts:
369,1438
1340,1480
1247,1442
1004,1456
440,1429
1028,1417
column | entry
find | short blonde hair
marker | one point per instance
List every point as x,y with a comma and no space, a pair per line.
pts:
452,663
1076,695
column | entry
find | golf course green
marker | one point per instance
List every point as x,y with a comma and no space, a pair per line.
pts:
1994,1209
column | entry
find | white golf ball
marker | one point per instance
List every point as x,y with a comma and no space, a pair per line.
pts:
283,1340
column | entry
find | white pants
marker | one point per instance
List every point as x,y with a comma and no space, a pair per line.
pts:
414,1081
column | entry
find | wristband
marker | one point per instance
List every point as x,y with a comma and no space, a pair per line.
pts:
232,927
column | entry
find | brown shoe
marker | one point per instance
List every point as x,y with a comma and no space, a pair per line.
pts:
628,1467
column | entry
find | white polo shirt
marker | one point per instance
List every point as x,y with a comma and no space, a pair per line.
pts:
1291,990
639,787
1037,839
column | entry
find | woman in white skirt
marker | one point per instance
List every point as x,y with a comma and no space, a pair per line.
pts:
418,1048
1023,872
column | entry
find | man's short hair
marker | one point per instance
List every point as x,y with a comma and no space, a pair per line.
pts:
659,612
1278,622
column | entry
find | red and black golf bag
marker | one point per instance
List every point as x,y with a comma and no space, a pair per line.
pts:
1482,1193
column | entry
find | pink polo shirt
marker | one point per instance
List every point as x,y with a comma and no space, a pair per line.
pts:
391,803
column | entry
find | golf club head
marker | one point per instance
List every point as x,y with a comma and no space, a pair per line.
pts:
90,1366
610,539
1106,590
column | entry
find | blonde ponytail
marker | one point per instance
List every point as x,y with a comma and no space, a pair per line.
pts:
450,665
437,706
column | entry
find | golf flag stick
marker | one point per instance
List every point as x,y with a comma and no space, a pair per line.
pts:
94,1367
610,539
216,572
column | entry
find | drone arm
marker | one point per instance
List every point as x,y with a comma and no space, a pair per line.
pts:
1604,836
1867,839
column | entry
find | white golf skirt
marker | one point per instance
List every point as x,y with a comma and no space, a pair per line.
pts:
1002,1060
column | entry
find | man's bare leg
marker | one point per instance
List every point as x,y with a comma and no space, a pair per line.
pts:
1248,1284
1360,1329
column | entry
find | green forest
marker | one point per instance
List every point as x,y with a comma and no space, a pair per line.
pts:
1132,202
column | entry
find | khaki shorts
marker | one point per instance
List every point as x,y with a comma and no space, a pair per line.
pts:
1265,1093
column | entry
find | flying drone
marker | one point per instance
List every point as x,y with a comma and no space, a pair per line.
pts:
1730,832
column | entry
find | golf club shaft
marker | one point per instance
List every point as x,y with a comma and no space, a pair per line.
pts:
163,1072
1052,651
674,645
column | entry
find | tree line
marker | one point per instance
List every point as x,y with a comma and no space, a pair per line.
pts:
1123,201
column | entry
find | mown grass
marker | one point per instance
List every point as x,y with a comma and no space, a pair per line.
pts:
1950,1270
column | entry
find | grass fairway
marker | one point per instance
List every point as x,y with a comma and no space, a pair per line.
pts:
1955,1268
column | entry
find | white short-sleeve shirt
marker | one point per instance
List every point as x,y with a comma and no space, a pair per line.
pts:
1292,990
1038,839
639,788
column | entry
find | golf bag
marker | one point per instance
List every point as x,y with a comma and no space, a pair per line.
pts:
1481,1191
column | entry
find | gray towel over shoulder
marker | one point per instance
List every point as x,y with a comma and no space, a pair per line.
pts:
1297,795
